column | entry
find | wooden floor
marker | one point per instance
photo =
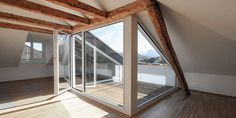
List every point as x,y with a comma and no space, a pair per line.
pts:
72,105
17,93
22,92
114,91
63,84
198,105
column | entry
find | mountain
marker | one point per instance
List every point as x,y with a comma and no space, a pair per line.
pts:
141,57
150,53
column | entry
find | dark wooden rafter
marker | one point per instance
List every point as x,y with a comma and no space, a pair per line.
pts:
25,28
37,8
117,14
157,19
129,9
111,16
81,7
34,21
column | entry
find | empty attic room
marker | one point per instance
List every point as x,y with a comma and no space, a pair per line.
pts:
117,59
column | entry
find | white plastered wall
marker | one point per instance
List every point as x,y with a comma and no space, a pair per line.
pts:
21,71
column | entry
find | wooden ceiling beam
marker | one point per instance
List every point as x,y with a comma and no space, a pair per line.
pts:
129,9
25,28
80,7
34,21
117,14
40,9
158,22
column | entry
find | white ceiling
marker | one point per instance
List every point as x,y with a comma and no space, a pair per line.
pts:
106,5
202,33
21,12
199,48
11,46
38,37
217,15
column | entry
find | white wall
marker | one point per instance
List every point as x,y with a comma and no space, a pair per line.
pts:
218,84
26,71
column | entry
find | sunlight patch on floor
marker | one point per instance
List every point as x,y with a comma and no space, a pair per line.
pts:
78,107
66,105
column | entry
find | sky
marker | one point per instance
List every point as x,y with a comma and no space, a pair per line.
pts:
144,46
113,36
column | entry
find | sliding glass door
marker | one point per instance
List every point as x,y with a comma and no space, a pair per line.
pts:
65,78
98,63
104,63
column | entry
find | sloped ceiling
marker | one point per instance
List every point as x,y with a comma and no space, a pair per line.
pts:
217,15
39,37
21,12
11,46
202,34
199,48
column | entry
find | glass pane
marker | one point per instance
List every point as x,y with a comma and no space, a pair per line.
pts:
154,74
78,61
28,44
32,51
26,54
89,62
104,63
64,62
37,50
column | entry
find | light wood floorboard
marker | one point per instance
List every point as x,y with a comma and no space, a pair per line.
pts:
176,105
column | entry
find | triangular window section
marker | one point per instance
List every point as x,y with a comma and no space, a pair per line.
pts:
155,76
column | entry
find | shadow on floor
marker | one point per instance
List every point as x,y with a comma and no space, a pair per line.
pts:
17,93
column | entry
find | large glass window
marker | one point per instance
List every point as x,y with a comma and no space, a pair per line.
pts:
104,63
155,76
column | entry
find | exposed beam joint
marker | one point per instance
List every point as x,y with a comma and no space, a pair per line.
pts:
130,9
81,7
40,9
157,19
25,28
117,14
34,21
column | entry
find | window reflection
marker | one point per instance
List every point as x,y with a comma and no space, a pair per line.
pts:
104,63
154,74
